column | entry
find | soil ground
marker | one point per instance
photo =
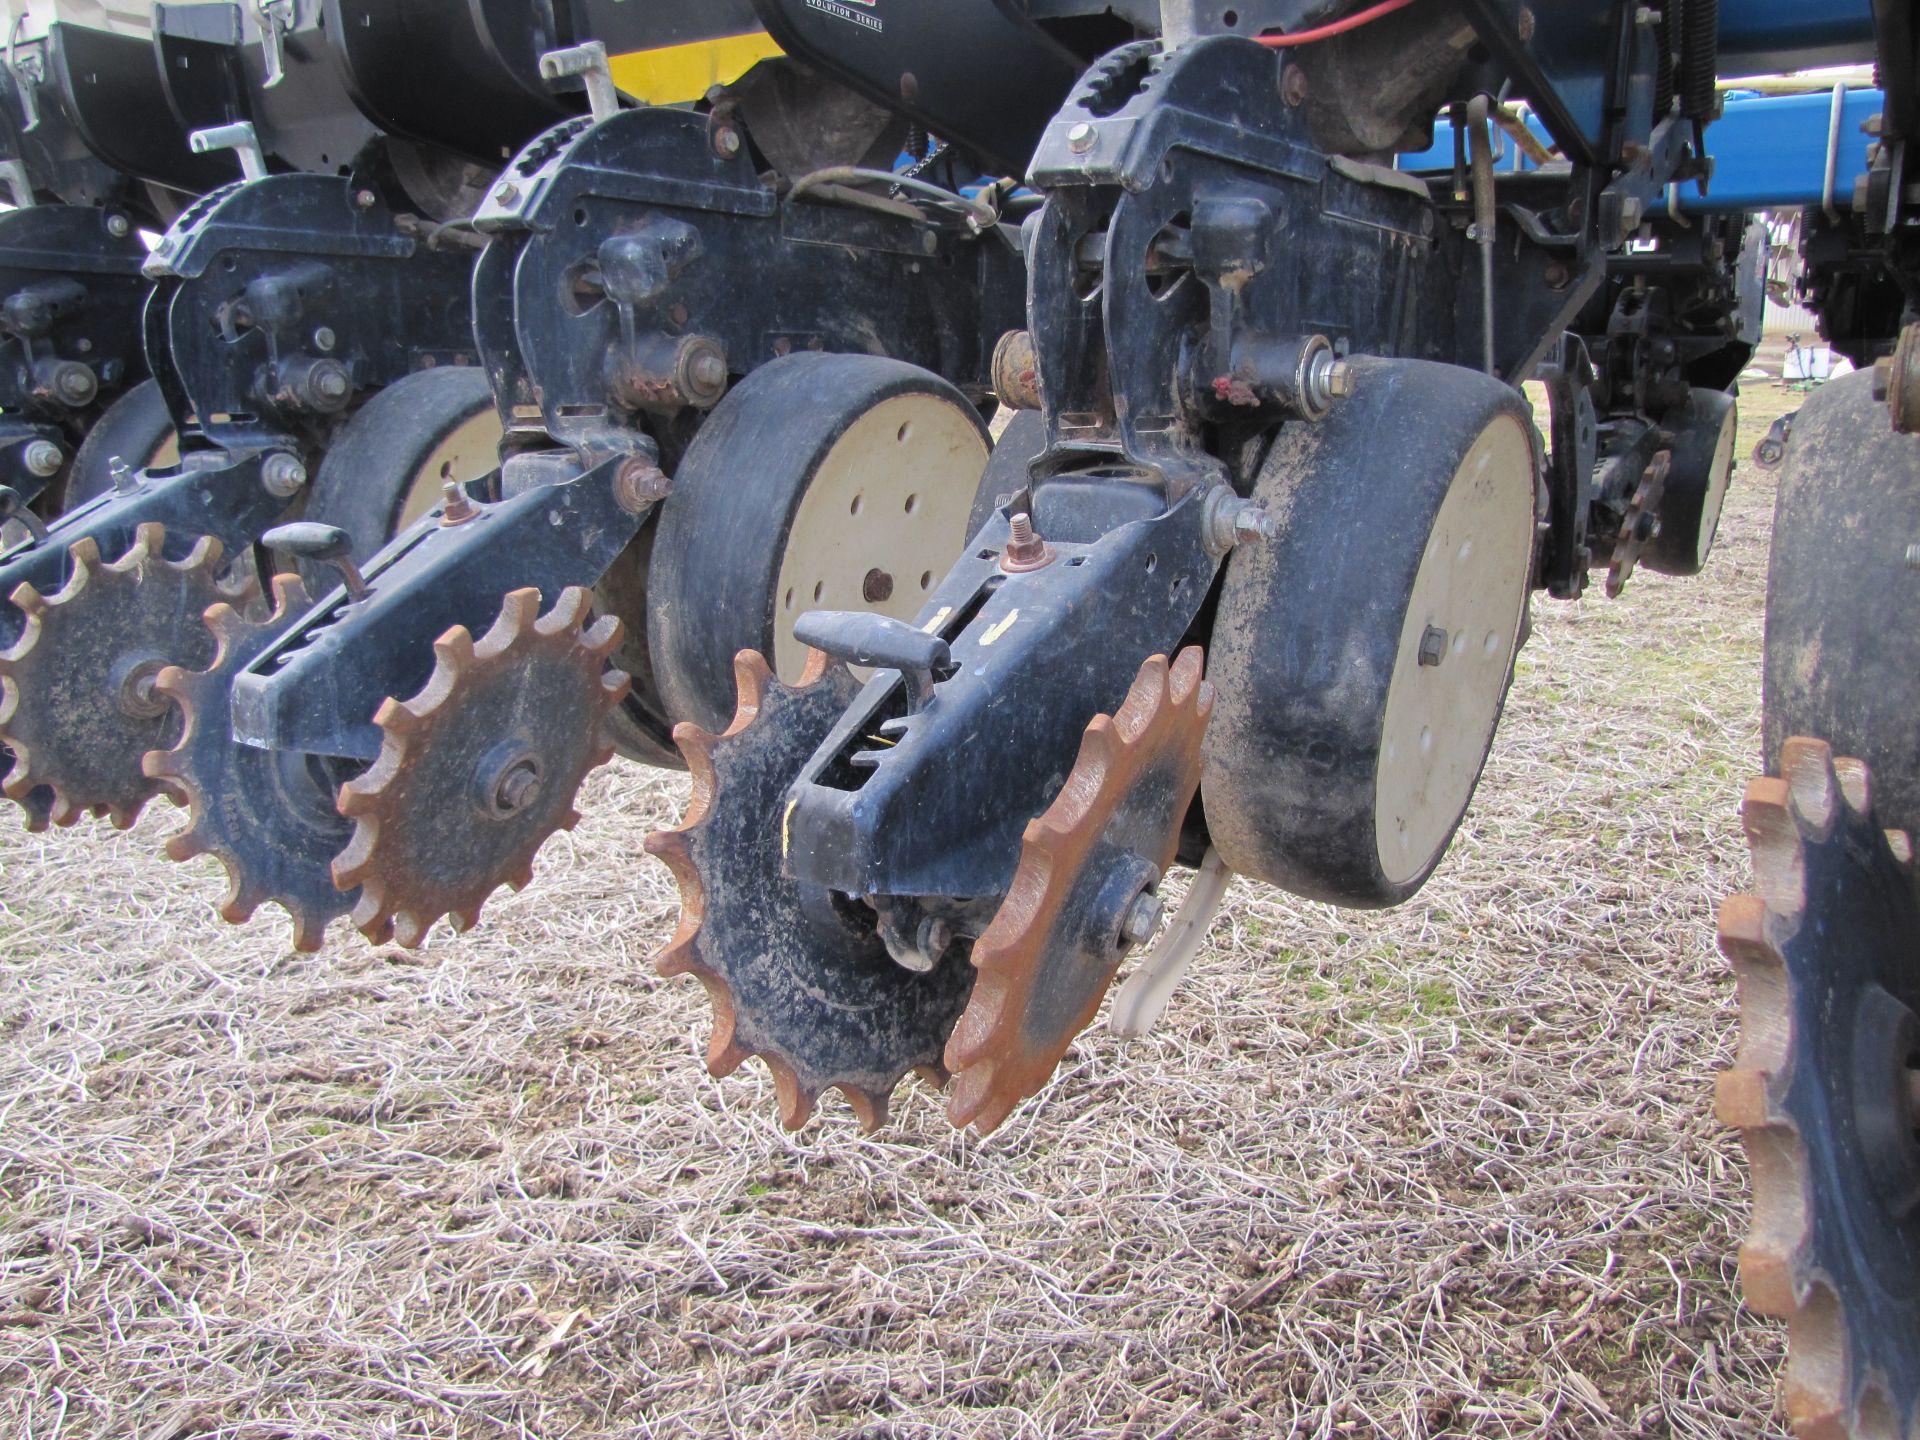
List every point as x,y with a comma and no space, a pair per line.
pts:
1445,1170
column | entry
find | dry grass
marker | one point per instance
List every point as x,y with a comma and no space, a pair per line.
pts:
1447,1170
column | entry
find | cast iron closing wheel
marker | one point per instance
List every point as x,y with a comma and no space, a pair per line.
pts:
268,816
796,975
1842,654
1825,1092
1084,892
482,766
1362,654
821,482
79,707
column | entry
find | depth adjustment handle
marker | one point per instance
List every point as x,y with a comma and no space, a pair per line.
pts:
12,507
326,544
879,642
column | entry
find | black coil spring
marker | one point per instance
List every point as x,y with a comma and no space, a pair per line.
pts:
1663,76
1699,57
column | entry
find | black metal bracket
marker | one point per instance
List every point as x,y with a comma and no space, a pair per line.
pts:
212,493
275,302
316,689
883,809
645,230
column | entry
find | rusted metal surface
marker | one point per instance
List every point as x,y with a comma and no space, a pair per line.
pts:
480,767
1822,1091
1639,525
797,976
267,816
1896,380
1076,903
81,706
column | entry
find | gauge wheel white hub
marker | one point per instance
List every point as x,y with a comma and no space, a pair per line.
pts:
1455,652
883,518
469,451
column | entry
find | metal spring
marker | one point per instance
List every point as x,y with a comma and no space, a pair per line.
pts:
1699,57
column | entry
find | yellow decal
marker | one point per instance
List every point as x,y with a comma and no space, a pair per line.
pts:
786,829
1001,628
678,74
937,621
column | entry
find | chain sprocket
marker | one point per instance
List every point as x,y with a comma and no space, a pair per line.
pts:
1056,941
268,816
80,707
1824,1092
478,769
797,976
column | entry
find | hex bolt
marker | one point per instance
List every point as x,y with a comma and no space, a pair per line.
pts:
457,506
324,338
639,484
709,370
1342,380
75,383
283,474
726,142
506,194
1251,522
364,199
1025,549
140,696
43,457
119,226
1081,137
331,381
1433,645
518,788
1143,918
120,473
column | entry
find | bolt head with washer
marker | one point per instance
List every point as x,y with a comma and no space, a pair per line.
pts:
43,458
283,474
1081,137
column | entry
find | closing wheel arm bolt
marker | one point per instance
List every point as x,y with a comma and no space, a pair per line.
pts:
42,457
283,474
1143,918
1232,520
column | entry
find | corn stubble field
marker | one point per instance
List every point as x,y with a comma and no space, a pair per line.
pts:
1449,1170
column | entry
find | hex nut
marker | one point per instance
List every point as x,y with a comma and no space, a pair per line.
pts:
283,474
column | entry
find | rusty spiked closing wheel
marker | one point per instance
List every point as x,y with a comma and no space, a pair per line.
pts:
268,816
1824,1092
477,770
797,975
80,706
1083,893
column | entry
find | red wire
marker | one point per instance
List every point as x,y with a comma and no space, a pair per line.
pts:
1336,27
